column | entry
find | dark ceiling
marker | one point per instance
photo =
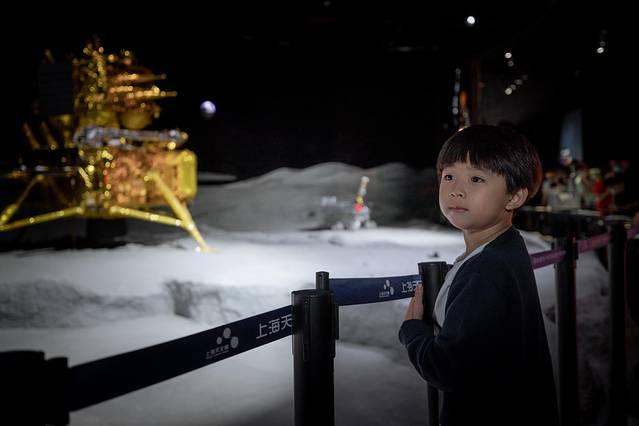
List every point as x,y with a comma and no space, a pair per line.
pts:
248,54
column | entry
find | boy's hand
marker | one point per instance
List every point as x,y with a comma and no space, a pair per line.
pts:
415,307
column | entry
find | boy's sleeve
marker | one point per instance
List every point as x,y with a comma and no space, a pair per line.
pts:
470,339
415,334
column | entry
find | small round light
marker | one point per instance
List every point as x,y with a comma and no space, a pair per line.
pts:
207,109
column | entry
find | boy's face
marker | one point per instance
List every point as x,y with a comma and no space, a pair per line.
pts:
475,199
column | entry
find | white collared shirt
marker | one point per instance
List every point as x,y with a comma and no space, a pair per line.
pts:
439,311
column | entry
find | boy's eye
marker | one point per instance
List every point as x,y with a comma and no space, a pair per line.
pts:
447,177
477,179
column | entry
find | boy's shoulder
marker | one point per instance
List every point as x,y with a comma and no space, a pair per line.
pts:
507,244
506,253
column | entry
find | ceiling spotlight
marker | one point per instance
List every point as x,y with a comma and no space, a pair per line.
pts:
602,41
508,55
470,20
508,91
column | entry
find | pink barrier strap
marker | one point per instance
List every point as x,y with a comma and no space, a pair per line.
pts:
595,242
545,258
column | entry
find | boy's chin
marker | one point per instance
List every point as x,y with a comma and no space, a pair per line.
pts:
457,225
456,222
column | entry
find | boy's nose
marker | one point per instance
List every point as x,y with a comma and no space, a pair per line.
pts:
457,193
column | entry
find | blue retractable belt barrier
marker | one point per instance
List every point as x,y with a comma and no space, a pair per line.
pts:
107,378
357,291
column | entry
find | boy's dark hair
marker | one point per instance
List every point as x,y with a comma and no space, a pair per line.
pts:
501,150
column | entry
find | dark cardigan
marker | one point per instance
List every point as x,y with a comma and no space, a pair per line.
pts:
491,357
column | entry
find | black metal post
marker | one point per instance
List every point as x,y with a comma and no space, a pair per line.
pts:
616,271
566,316
34,390
313,355
632,278
433,275
322,282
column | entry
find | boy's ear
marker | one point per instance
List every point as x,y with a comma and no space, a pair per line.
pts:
517,199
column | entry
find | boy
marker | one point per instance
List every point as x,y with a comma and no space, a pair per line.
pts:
490,357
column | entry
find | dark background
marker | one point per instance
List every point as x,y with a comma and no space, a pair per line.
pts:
297,83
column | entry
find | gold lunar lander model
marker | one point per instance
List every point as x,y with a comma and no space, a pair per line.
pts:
98,162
